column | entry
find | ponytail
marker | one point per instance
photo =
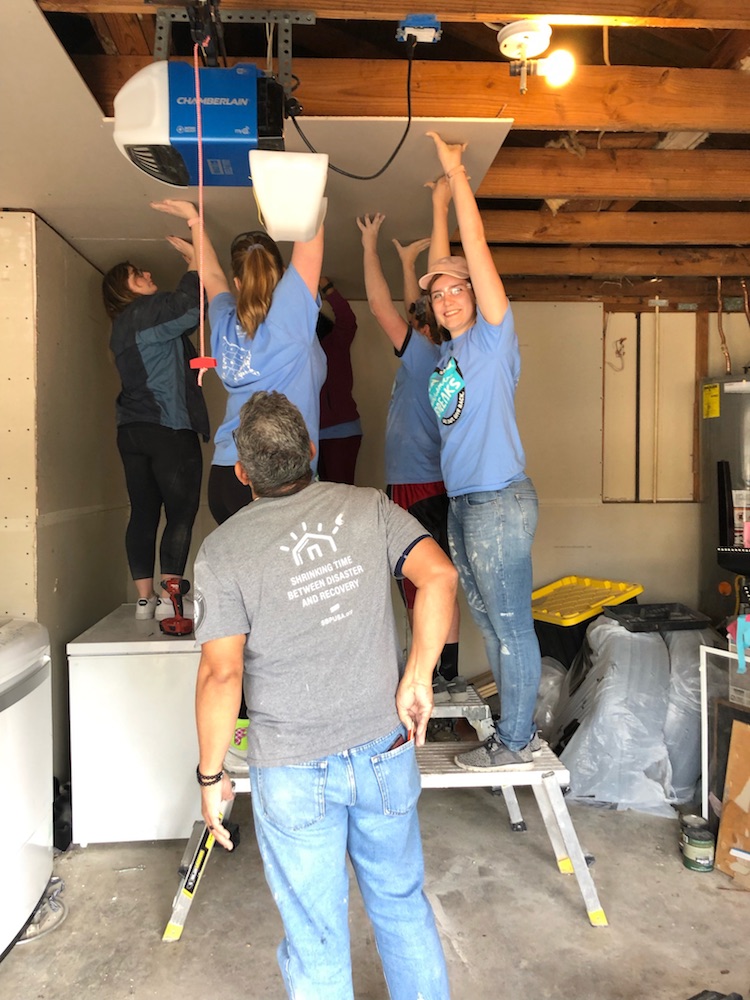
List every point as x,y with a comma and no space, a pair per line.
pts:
257,265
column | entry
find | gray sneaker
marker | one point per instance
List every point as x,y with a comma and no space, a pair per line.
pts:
537,745
440,693
493,755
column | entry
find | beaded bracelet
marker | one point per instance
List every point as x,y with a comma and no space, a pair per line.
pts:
326,288
194,221
208,779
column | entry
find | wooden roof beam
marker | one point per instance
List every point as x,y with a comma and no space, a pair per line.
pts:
599,98
623,228
127,35
614,13
618,262
626,294
733,52
637,174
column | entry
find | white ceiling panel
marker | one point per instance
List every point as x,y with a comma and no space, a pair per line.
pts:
58,159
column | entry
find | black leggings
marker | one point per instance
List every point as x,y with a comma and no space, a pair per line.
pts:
163,467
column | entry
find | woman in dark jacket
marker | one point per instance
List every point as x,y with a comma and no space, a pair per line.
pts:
161,414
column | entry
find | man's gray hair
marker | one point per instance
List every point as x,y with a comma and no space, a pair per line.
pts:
273,444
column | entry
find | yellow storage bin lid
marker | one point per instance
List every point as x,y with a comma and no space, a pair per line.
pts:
573,599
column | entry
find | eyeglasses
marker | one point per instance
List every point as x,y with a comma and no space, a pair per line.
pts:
454,291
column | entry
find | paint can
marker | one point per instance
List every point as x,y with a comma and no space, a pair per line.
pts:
690,822
698,850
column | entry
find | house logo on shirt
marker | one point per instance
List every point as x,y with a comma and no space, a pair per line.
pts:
447,391
312,546
327,575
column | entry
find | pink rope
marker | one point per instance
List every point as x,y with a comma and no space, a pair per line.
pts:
199,125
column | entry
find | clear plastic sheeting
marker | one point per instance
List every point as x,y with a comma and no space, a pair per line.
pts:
682,726
548,695
636,700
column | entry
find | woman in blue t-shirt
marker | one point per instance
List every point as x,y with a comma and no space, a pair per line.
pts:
412,441
493,504
264,338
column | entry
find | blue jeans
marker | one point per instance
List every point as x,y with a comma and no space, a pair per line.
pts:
308,817
490,536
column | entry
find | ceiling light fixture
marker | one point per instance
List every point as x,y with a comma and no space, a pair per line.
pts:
522,42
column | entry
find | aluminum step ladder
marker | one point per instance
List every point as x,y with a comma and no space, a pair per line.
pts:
547,778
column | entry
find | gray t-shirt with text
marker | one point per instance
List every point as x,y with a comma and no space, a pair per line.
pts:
307,578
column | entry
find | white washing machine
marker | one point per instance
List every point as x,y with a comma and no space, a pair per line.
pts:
26,783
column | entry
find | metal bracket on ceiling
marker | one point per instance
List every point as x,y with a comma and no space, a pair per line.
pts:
283,19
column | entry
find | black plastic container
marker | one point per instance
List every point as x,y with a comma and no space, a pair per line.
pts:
656,617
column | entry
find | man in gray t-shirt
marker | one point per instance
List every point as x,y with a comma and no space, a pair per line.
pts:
293,595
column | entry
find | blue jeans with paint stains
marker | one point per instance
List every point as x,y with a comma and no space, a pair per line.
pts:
308,817
490,536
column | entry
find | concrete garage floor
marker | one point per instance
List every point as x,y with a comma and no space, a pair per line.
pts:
512,926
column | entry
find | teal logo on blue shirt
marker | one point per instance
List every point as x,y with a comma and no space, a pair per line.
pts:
447,392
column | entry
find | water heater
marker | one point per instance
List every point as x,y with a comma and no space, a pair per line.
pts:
725,494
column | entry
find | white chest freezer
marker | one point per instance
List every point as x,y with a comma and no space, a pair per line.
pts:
133,742
26,783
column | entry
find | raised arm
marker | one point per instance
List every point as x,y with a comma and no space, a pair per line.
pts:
440,244
486,282
308,261
379,298
344,320
214,279
408,255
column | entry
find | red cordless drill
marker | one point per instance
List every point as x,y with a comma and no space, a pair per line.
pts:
178,624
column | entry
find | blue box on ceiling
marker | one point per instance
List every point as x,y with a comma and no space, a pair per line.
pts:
156,124
229,112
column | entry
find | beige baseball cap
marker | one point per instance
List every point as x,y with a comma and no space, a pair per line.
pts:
455,266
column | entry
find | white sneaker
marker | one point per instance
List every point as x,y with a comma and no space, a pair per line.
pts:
145,607
165,608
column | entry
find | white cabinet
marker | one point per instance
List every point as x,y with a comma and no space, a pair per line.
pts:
133,742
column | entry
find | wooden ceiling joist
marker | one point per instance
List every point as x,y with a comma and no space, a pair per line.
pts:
639,174
619,262
126,35
624,228
614,13
599,98
626,294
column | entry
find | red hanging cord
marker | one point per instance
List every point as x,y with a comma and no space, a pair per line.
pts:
203,362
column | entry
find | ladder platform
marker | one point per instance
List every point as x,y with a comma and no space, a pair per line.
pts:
467,704
438,769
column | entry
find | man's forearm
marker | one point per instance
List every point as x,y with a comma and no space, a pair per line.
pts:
436,580
433,613
217,701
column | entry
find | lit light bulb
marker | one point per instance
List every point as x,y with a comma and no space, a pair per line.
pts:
558,68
